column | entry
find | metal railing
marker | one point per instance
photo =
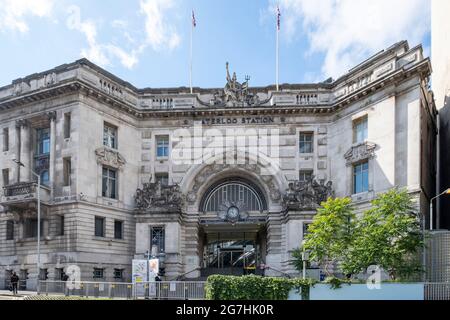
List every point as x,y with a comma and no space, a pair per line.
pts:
159,290
437,291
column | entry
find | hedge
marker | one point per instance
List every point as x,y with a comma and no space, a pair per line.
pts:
219,287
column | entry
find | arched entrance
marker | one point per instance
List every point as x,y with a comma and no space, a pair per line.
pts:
233,227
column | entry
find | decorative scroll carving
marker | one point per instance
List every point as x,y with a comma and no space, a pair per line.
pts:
363,151
308,194
156,195
110,158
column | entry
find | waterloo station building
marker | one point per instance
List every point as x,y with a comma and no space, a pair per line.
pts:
116,186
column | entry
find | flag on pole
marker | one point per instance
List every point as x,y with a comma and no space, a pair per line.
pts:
194,22
278,18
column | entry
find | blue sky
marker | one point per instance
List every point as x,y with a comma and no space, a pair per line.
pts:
146,42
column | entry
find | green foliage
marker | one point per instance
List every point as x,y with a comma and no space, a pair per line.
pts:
331,232
336,283
388,235
297,260
219,287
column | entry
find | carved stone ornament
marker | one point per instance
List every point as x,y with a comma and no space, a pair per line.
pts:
360,152
307,195
156,195
232,211
111,158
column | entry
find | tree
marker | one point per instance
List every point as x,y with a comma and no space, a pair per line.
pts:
330,234
387,235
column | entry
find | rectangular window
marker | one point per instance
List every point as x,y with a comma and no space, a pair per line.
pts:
98,273
43,141
99,227
5,174
59,274
30,228
361,177
110,136
5,139
109,183
43,274
118,229
360,130
162,178
118,274
67,125
67,168
162,146
9,230
306,142
305,175
60,226
157,243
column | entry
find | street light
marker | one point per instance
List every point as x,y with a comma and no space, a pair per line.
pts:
431,206
38,221
305,258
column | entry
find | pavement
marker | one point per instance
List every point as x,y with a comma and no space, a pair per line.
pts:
7,295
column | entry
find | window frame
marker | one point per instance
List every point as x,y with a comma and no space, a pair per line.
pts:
311,173
5,177
161,176
106,186
356,123
303,142
121,229
165,146
103,229
67,124
110,135
30,228
161,248
98,273
5,139
10,230
67,172
364,187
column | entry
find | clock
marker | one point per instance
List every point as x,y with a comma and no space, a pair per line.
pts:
233,213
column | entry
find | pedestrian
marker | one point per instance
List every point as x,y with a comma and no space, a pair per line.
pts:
14,283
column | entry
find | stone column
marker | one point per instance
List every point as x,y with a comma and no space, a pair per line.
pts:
52,117
17,151
274,244
25,151
191,250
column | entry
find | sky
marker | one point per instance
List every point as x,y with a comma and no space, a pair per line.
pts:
147,42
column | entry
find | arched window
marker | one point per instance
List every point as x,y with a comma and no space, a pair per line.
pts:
235,190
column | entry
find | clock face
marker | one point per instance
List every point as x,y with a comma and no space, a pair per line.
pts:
233,213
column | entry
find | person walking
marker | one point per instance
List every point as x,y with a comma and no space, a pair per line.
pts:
14,283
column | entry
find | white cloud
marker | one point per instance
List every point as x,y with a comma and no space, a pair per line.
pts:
160,32
348,31
13,13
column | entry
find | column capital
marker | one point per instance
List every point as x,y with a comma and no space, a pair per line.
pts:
51,115
22,123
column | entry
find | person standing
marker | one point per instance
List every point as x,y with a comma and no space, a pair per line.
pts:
14,283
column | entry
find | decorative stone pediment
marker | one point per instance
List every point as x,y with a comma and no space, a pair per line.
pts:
154,195
307,195
110,158
360,152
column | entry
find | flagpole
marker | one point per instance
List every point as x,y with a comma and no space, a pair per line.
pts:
190,72
276,62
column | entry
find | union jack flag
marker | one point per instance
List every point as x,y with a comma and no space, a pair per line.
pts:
194,22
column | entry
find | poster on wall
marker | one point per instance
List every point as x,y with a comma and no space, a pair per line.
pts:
139,275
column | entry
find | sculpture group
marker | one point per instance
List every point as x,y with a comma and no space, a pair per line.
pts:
307,194
157,195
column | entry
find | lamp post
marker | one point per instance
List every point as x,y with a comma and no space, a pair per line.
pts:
431,206
38,221
305,258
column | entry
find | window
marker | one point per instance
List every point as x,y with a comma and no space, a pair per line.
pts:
10,230
110,136
60,226
43,274
67,125
162,146
30,228
157,239
67,168
5,139
99,227
98,273
118,229
109,183
305,175
360,130
5,174
361,177
43,141
306,142
118,274
305,228
162,178
59,274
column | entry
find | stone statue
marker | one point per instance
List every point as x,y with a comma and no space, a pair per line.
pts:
156,195
309,194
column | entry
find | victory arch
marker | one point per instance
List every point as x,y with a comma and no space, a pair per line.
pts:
227,219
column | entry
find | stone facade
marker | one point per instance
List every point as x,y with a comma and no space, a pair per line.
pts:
77,101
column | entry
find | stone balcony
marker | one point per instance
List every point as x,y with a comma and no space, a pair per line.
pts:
22,194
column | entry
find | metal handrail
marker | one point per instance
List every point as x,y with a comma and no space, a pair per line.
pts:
182,275
279,271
